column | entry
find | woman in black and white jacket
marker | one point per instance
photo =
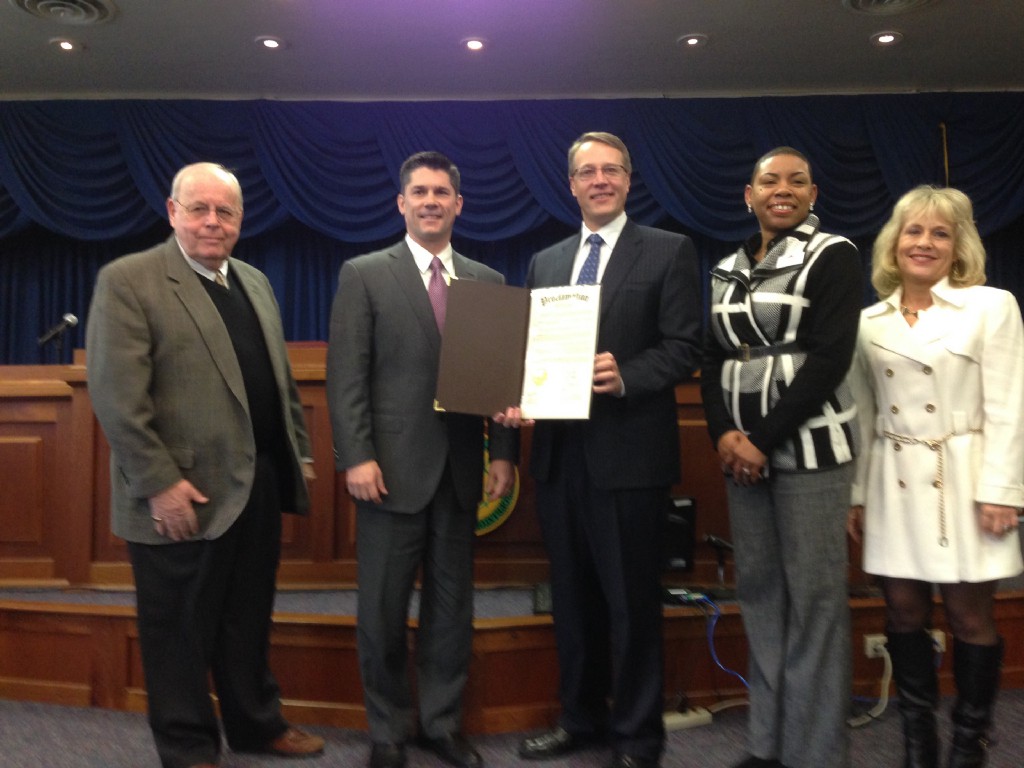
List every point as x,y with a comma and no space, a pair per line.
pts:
783,325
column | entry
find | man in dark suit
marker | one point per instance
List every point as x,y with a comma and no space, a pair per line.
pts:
415,474
189,378
603,484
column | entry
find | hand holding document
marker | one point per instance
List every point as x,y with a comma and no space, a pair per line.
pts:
505,346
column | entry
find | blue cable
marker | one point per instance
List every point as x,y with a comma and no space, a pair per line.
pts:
712,622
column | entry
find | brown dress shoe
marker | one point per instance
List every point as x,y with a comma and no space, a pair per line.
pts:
295,742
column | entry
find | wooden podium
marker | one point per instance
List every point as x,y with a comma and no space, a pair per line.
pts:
54,506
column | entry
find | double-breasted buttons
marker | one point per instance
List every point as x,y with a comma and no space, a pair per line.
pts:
930,408
927,370
937,484
894,408
897,447
889,372
902,484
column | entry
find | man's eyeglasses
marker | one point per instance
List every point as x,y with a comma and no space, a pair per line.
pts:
610,172
200,211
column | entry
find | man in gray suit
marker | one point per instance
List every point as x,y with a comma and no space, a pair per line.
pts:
603,484
189,378
414,473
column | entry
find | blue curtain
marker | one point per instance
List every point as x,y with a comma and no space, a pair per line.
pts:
84,181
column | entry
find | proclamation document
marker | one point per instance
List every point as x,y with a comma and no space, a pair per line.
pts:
558,372
503,346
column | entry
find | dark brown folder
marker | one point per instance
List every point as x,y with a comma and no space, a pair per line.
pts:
483,347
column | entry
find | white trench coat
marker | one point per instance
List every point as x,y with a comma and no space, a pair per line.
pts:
956,380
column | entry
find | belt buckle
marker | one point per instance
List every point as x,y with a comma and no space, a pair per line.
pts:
744,353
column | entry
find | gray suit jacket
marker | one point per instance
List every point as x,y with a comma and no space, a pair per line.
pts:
167,389
382,366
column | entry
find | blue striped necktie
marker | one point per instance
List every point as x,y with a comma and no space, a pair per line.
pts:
588,272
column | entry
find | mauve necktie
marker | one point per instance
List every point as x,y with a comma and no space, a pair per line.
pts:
588,273
437,289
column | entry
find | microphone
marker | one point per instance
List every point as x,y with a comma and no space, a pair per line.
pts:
718,543
68,321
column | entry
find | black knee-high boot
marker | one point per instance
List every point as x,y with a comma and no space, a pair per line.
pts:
976,670
913,667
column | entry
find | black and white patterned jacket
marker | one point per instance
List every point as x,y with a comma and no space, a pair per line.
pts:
780,340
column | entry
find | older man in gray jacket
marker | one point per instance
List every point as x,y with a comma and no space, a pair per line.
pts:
189,377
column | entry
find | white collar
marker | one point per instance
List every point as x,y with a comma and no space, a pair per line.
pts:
423,257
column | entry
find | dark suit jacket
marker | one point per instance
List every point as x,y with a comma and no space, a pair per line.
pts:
167,389
382,365
651,321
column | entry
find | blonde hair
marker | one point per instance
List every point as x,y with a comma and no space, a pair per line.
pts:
601,137
955,207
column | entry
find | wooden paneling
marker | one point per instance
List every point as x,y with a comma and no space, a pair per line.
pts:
54,512
45,474
89,656
54,527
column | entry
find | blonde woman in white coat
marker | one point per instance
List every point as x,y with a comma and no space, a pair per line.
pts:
938,377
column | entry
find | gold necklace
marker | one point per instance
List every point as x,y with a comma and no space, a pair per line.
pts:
908,311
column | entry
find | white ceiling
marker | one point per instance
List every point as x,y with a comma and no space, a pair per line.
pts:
410,49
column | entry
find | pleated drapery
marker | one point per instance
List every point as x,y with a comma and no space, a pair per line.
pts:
84,181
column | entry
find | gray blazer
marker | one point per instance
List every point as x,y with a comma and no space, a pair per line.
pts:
382,366
167,389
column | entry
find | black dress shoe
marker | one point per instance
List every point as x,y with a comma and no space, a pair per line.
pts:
387,755
550,744
629,761
759,762
454,750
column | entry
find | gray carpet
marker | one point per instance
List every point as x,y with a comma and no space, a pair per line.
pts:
49,736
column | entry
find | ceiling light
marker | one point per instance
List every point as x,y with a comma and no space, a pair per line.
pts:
65,45
887,38
268,41
693,40
474,43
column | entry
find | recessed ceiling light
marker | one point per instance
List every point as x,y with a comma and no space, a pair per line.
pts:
887,38
474,43
65,44
268,41
692,40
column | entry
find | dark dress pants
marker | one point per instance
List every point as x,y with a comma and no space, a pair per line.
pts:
391,547
605,552
205,606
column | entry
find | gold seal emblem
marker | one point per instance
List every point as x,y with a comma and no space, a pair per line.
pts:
491,513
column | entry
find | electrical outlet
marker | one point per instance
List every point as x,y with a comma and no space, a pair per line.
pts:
691,718
874,646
